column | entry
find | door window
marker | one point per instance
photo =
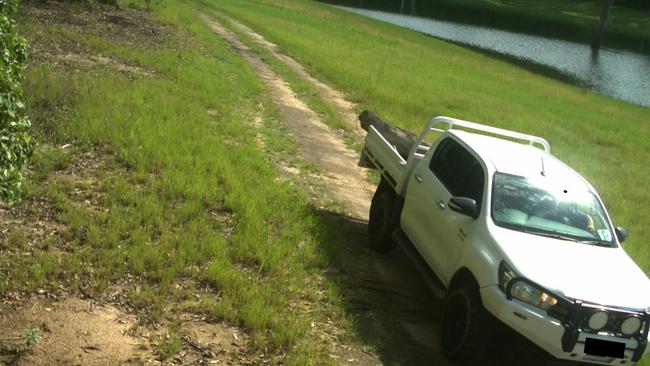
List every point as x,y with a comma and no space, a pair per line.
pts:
458,170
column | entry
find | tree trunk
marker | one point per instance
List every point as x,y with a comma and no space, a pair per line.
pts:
604,13
402,140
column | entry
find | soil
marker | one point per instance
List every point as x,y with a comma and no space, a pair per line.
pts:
77,331
391,304
73,332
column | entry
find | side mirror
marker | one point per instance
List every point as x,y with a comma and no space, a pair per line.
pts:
464,205
621,234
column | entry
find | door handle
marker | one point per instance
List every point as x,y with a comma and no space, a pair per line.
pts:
418,177
441,204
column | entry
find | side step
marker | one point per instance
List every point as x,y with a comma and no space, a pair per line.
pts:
433,283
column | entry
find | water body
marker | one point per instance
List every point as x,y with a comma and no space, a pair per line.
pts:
619,74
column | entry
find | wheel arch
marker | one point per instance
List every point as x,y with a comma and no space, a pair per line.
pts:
384,185
462,277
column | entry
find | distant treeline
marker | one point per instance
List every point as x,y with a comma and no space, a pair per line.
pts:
635,4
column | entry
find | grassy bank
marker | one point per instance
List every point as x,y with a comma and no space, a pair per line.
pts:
182,207
409,78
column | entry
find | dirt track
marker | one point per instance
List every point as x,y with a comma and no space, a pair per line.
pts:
391,304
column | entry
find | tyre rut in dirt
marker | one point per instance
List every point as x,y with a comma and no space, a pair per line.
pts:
383,219
463,333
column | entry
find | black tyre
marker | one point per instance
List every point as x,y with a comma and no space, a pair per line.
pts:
383,220
463,333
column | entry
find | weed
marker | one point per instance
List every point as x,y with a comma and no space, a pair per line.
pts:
33,335
169,344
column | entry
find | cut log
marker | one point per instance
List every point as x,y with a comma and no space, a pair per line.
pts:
402,140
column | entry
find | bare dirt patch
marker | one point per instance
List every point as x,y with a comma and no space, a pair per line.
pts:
71,332
215,343
75,331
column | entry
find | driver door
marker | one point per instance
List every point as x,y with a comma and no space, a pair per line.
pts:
435,230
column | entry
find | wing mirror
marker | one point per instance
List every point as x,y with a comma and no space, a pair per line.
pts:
621,234
464,205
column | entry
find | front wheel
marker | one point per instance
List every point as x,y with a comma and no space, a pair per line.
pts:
382,221
463,325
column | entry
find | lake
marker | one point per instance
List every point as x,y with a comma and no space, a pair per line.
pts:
619,74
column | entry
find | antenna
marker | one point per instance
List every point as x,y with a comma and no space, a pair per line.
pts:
543,172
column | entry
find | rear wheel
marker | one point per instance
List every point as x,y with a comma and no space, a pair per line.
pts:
383,220
463,325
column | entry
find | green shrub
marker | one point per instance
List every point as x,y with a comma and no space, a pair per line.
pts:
15,143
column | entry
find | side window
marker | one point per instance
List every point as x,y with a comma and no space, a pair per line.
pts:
444,163
458,170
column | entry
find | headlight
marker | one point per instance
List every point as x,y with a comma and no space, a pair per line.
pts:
523,290
631,325
506,274
530,294
598,320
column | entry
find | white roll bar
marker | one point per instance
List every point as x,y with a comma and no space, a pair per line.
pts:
450,123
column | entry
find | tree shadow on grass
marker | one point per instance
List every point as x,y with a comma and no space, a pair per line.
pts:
393,309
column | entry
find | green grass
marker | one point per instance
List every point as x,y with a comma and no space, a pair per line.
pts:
184,194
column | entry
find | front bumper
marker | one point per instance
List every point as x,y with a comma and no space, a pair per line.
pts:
549,333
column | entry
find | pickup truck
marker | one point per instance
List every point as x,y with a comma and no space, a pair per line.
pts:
509,230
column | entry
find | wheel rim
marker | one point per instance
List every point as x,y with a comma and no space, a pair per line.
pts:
455,324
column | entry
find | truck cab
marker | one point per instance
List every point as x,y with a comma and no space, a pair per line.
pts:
508,229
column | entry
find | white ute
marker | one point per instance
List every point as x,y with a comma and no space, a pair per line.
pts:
508,228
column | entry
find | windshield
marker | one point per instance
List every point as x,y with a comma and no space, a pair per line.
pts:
549,208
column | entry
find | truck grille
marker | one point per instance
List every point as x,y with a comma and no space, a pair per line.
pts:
579,314
575,317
